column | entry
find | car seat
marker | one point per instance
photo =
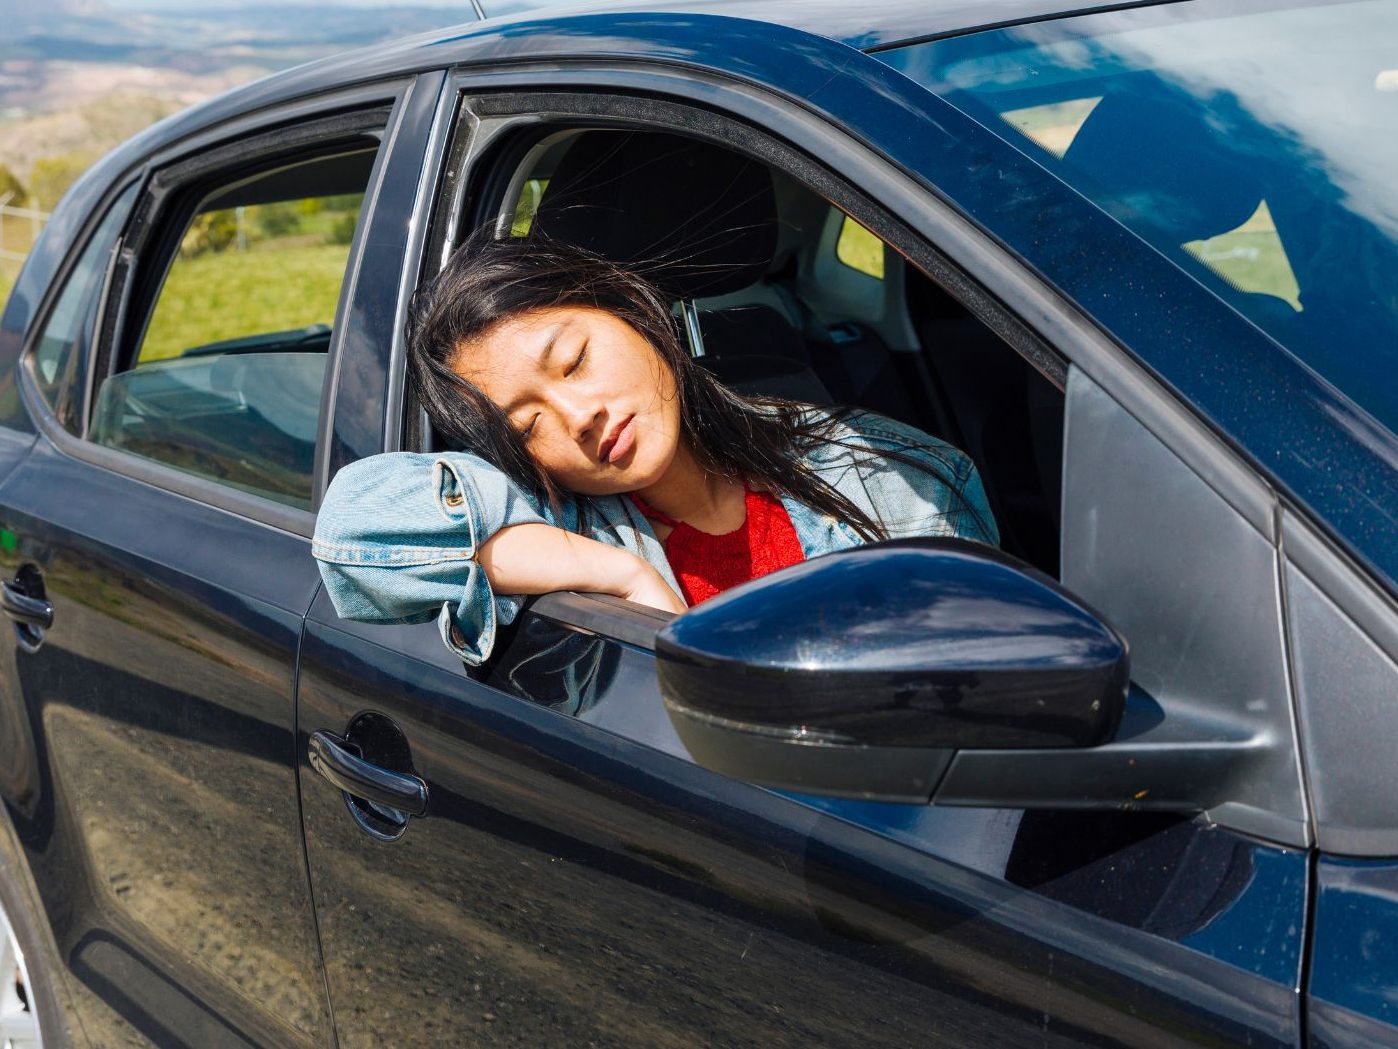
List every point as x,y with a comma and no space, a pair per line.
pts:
700,221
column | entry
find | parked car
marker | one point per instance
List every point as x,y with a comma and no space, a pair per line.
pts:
1140,264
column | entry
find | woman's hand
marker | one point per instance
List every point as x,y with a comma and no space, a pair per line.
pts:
650,588
539,558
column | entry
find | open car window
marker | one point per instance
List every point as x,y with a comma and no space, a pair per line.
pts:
226,380
817,309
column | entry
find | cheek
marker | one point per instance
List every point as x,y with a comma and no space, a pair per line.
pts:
560,460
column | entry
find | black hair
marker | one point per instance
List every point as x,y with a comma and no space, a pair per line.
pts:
488,280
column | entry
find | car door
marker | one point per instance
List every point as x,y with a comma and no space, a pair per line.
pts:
572,873
161,524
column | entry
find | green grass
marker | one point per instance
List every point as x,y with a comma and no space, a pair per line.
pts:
7,281
231,294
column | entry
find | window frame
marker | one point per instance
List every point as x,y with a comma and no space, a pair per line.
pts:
123,197
171,185
994,284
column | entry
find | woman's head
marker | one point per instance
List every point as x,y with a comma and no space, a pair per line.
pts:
552,362
592,400
563,368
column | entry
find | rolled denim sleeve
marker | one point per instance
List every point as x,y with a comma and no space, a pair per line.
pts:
397,537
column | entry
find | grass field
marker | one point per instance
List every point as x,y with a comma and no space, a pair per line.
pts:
230,294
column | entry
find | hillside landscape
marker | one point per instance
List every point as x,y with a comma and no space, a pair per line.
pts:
77,77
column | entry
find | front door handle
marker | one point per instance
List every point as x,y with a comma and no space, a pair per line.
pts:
19,606
362,779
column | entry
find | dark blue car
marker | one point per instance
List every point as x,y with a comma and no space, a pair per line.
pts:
1141,263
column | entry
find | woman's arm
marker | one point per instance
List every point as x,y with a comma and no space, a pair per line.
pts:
539,558
407,537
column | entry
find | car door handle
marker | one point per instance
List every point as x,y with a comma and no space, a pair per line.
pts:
19,606
352,774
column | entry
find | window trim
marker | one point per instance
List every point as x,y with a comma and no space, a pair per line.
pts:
167,175
94,310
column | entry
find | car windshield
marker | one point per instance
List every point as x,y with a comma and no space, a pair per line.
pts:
1255,145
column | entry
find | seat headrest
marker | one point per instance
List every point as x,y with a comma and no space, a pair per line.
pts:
695,218
1163,168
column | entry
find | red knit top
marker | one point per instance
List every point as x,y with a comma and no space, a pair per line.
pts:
705,564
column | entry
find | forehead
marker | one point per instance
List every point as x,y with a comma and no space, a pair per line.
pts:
515,345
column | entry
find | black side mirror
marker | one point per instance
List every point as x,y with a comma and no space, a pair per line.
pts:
861,673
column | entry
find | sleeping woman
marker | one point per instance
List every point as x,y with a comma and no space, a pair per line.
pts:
594,454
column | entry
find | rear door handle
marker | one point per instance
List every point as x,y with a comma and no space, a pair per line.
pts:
19,606
362,779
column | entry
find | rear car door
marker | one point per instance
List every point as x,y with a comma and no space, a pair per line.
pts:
162,520
575,874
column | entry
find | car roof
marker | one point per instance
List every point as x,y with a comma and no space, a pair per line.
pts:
867,24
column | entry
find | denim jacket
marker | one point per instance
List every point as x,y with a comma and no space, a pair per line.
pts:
397,533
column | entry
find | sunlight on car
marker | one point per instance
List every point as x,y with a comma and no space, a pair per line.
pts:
1053,126
1251,258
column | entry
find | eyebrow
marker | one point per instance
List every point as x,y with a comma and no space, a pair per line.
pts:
543,360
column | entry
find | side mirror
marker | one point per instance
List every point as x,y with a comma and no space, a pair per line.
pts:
862,673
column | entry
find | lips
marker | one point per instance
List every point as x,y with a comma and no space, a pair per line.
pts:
617,443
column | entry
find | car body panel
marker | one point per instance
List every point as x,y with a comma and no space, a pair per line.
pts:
160,816
569,879
1354,969
881,23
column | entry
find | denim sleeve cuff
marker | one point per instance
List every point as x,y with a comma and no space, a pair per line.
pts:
397,539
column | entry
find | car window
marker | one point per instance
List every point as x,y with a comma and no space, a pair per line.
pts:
1254,146
53,362
225,381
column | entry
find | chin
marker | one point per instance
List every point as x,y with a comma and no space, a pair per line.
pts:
611,482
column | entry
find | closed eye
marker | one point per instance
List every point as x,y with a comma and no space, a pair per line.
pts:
528,430
577,361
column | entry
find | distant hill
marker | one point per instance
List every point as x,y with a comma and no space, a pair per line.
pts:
77,77
49,48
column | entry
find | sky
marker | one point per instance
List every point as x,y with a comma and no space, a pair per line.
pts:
195,5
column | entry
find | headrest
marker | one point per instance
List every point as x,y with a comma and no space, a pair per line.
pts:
695,218
1164,170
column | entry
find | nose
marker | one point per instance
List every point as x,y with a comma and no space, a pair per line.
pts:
579,413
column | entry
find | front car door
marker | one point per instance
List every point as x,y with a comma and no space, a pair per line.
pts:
164,516
578,875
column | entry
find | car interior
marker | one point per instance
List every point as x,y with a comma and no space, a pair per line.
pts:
780,293
245,409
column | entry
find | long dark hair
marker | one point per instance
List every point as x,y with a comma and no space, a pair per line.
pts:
489,280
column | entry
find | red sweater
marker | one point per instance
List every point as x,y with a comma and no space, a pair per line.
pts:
705,564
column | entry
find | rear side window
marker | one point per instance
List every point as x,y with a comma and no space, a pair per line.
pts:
56,359
225,379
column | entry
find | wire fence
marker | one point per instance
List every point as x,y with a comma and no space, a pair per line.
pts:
19,228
